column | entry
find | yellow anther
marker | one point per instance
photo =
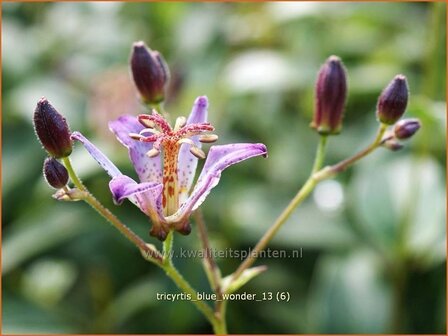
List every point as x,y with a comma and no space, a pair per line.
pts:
196,151
208,138
135,136
153,152
180,122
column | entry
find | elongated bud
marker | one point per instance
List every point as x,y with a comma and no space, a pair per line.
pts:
393,145
393,101
55,173
150,73
184,228
330,97
406,128
52,130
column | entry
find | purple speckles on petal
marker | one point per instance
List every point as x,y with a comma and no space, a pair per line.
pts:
137,150
147,196
187,162
218,159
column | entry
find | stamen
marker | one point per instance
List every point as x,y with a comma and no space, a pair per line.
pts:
185,140
196,151
135,136
180,122
150,138
155,120
195,129
146,122
149,130
208,138
153,152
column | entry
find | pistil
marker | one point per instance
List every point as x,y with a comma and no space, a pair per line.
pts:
170,198
167,141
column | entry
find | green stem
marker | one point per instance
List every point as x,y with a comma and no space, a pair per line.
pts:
213,275
219,326
320,153
168,248
433,61
179,280
210,266
164,261
71,172
272,231
109,216
315,177
295,202
344,164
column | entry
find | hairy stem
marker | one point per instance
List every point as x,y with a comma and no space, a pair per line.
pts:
179,280
211,268
295,202
344,164
272,231
316,176
71,172
213,273
109,216
320,153
165,261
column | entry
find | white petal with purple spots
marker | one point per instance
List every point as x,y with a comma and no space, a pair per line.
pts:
218,159
147,195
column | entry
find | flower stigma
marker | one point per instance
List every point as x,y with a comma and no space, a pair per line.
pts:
167,141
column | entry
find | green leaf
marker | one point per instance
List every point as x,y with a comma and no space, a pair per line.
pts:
349,296
39,233
229,286
400,203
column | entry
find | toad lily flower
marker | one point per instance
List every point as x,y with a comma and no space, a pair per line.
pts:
165,160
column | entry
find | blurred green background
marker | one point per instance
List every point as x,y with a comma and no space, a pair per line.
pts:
373,239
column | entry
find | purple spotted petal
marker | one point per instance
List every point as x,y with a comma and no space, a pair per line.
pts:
147,195
187,162
218,159
103,161
148,169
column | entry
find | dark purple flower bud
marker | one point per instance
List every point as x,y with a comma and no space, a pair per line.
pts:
150,73
393,101
52,130
330,97
406,128
184,228
159,231
55,173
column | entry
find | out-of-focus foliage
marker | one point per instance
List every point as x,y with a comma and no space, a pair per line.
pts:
373,239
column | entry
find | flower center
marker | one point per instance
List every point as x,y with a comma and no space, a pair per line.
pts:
167,140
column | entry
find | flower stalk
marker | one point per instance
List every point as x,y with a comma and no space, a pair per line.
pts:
315,177
165,159
210,266
87,197
149,253
330,171
171,271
